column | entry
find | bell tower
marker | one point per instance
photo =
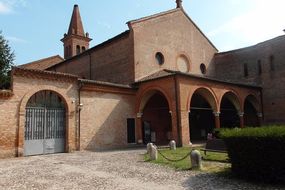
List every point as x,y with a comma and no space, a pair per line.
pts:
75,41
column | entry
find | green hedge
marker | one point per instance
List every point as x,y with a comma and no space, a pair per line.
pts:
257,153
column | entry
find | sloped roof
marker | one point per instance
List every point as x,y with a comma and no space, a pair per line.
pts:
27,72
169,12
261,44
43,64
166,73
96,82
103,44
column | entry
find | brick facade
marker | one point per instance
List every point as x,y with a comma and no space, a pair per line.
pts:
270,75
119,79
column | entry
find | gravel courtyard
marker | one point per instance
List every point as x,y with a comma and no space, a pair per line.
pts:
105,170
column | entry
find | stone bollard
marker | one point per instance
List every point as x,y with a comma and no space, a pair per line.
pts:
148,148
153,153
196,159
172,145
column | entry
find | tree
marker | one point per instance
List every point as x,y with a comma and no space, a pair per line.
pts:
6,62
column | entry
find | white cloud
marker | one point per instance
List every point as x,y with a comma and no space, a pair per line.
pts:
104,24
8,6
4,8
15,39
264,21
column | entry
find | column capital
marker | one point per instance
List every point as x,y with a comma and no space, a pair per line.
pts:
139,115
241,114
217,114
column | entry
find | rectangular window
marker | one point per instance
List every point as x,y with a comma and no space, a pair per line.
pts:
271,62
131,132
245,70
259,67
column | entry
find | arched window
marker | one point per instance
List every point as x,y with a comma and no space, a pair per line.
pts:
259,67
83,48
245,70
77,49
203,68
66,52
69,51
159,58
271,62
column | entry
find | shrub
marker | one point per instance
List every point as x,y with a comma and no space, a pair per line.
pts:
257,153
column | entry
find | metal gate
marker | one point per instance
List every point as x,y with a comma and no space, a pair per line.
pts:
44,131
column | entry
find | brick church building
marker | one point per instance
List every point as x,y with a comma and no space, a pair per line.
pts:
162,79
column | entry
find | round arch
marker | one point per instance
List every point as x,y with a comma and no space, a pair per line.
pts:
202,107
155,117
252,111
234,98
22,116
147,94
206,93
254,101
230,110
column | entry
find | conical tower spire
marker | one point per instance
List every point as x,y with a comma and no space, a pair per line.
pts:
76,26
75,41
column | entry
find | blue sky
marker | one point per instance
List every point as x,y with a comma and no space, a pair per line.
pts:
34,27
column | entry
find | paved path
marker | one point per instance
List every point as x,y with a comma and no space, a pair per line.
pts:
120,170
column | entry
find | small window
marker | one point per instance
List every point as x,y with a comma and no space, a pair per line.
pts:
66,52
69,53
259,67
77,50
245,70
271,62
83,48
203,68
159,58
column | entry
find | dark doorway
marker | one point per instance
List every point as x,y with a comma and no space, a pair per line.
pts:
250,115
146,132
201,118
229,117
131,130
157,120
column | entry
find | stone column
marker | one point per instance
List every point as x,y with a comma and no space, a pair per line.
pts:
217,120
241,119
139,136
174,127
184,123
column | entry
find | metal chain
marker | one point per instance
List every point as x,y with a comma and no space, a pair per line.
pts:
171,160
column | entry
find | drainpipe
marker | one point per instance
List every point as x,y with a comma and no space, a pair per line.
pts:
90,66
78,108
177,111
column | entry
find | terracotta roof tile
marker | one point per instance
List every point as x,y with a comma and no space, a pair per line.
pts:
43,64
165,73
104,83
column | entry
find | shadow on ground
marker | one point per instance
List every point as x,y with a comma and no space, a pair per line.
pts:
224,181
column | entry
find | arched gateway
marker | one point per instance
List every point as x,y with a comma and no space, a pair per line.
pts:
45,126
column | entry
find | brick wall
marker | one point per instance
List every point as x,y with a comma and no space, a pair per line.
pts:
103,119
12,112
110,62
172,34
230,66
